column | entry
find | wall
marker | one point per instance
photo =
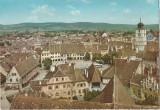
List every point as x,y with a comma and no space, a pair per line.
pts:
13,78
65,88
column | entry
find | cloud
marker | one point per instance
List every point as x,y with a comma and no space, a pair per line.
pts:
86,1
83,1
113,3
71,7
151,1
41,11
75,12
126,10
113,9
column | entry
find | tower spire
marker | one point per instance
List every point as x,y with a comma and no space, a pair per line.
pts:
140,20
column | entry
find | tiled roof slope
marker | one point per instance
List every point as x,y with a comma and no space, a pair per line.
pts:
26,66
29,102
115,93
124,69
93,74
149,55
66,48
108,73
137,78
67,70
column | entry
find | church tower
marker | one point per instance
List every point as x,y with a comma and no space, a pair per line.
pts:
140,39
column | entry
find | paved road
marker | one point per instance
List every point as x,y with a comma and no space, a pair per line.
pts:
41,75
5,105
80,64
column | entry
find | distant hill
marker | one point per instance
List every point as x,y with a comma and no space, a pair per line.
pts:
74,26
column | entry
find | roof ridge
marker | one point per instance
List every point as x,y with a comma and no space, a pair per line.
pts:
109,70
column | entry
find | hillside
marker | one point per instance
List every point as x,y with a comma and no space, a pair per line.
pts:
74,26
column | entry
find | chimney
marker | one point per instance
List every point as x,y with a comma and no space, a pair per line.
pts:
20,59
40,83
112,49
86,73
151,69
121,47
70,64
116,48
136,50
26,94
97,47
128,60
52,68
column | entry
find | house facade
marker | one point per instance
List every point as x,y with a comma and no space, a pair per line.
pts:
64,52
150,85
21,74
66,82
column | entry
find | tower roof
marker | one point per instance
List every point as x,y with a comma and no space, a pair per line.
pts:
140,25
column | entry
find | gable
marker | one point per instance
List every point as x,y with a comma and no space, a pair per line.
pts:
13,70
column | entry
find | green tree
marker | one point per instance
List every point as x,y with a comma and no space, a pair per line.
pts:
47,63
1,43
106,58
8,43
149,100
87,56
90,95
96,57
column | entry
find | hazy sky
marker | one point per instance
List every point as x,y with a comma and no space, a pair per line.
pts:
107,11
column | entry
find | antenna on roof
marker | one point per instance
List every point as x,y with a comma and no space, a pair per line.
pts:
140,20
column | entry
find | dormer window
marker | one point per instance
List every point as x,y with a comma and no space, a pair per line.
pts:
13,74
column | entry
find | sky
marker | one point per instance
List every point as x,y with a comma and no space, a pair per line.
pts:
99,11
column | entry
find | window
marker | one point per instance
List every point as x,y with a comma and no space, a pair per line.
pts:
56,79
57,94
81,85
13,74
56,87
79,91
73,92
134,91
139,93
49,87
84,91
64,86
68,85
68,92
17,80
62,79
10,80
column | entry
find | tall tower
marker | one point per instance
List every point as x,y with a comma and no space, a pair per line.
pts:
37,43
140,39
